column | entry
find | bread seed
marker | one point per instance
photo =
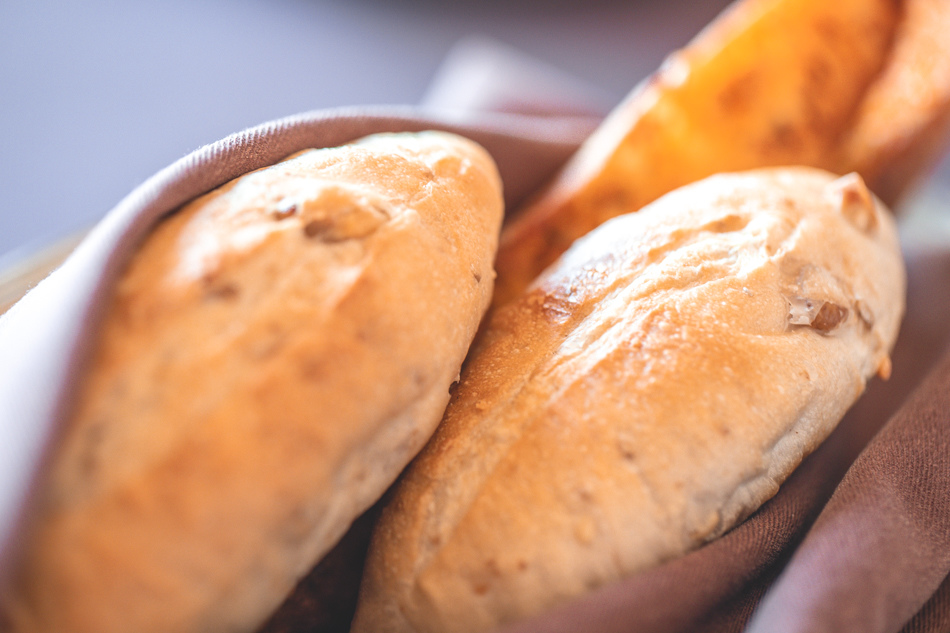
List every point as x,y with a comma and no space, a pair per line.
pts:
823,316
829,317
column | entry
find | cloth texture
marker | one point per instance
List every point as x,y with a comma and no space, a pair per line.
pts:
857,540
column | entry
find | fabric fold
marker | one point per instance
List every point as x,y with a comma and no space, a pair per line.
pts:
881,547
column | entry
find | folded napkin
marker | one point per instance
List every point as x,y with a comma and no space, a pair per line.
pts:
854,541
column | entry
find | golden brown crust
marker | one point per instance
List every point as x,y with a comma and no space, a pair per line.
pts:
650,390
274,355
769,83
901,128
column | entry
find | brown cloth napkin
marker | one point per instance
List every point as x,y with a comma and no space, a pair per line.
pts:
885,535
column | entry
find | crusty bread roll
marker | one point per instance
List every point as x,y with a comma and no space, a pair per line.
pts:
767,83
650,390
275,354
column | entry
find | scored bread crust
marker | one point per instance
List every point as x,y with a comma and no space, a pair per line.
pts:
274,355
650,390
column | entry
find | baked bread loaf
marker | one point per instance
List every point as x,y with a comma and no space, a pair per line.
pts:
649,391
274,355
767,83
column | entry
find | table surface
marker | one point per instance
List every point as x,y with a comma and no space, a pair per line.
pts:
95,96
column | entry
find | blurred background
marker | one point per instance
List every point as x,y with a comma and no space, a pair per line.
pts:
97,95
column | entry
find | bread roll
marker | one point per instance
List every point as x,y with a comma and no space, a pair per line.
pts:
650,390
275,354
765,84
